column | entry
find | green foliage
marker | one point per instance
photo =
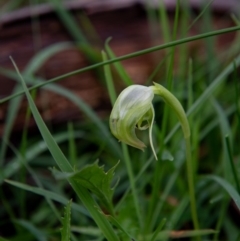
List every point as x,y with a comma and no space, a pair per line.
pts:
48,194
65,166
66,223
147,200
95,179
228,187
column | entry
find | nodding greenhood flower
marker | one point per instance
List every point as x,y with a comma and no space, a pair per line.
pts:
133,109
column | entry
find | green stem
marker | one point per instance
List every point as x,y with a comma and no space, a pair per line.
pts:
170,64
113,97
173,102
132,183
190,177
155,196
222,212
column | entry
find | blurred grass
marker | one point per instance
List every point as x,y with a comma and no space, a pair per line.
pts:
65,166
155,200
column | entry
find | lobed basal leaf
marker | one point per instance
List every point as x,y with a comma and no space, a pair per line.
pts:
96,180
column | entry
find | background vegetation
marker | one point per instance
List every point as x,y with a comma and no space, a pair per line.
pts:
105,190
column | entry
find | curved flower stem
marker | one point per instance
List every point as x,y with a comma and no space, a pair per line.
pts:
174,103
171,100
190,177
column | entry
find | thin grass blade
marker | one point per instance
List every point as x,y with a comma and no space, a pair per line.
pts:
119,67
48,194
65,166
228,188
234,171
79,102
128,56
109,80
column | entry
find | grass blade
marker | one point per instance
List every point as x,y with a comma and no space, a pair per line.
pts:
236,179
225,130
13,108
228,188
33,151
72,148
65,166
33,65
78,102
159,228
128,56
69,22
48,194
108,77
120,69
164,21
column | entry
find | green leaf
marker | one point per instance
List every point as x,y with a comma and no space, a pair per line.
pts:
11,114
65,232
68,21
34,64
228,187
94,178
159,228
109,80
33,151
74,99
115,222
48,194
65,166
